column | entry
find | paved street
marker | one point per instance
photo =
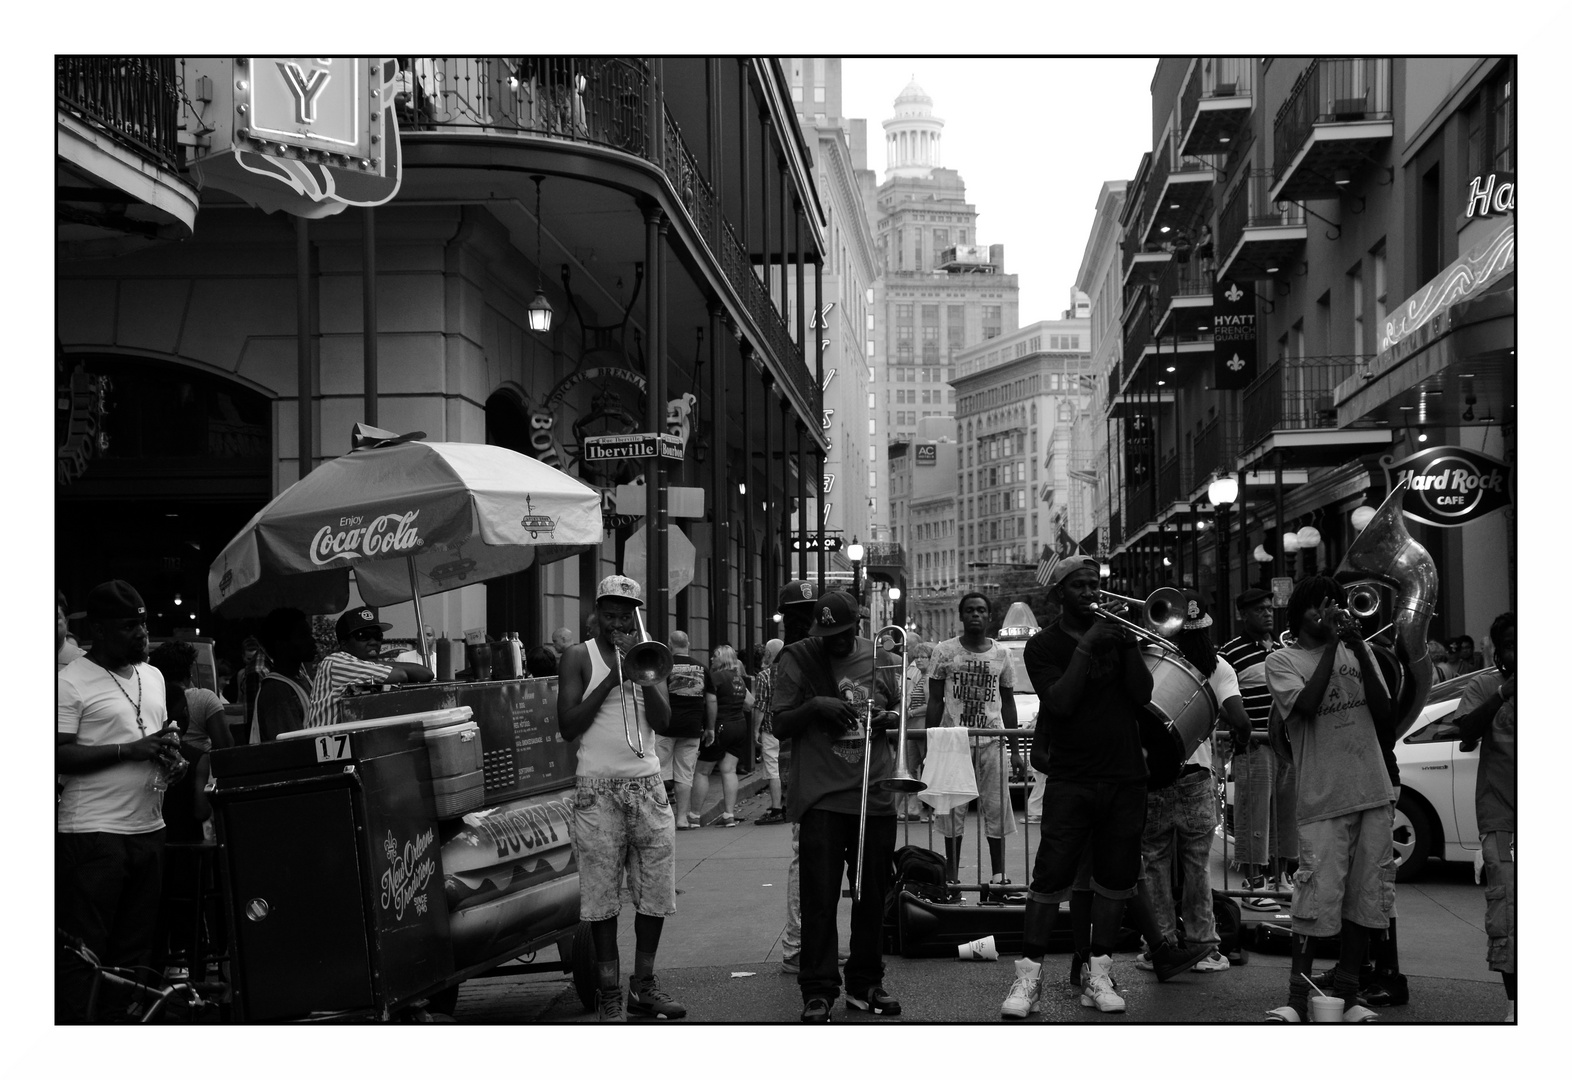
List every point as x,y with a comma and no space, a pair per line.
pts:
720,955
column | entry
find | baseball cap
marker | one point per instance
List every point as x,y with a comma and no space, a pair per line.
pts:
1195,616
834,613
1250,598
798,592
115,599
618,587
1068,566
360,618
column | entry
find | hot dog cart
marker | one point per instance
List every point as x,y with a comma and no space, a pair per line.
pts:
374,864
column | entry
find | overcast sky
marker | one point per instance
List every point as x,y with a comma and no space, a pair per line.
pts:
1033,139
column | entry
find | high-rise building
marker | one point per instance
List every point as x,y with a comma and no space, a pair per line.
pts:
1016,400
840,154
940,290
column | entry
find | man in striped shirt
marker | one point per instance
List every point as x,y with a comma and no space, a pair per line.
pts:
353,662
1265,829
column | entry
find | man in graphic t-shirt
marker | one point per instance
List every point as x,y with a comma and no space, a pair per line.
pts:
971,685
1330,693
821,705
692,707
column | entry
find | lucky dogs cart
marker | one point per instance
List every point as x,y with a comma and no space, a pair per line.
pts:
371,866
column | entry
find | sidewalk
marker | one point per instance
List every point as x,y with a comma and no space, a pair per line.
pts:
720,954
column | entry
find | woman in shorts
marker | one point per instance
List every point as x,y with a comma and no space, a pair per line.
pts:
726,733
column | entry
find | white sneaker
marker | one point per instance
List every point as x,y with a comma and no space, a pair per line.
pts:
1215,962
1021,1001
1097,986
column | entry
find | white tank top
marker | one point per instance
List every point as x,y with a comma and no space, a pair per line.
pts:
603,749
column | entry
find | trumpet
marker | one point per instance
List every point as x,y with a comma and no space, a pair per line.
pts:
903,781
1162,615
648,663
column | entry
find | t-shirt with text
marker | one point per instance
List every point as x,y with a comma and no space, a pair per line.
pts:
1337,754
687,684
972,682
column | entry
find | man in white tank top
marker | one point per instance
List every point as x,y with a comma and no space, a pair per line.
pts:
622,820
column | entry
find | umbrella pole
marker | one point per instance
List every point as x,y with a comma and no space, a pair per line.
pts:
420,623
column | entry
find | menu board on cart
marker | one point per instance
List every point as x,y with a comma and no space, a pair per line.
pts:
521,751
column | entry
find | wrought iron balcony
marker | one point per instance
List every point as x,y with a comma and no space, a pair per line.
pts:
1336,113
135,100
1216,100
1183,297
1140,506
1257,235
1177,191
601,101
1216,447
1173,481
1294,395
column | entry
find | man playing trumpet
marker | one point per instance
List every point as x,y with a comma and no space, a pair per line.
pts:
622,820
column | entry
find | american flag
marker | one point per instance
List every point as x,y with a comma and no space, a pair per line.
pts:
1063,547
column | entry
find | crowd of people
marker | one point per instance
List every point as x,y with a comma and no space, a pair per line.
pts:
1306,722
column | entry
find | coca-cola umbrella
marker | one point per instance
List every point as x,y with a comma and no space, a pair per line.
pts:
409,519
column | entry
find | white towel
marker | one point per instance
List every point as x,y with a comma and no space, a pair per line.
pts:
947,770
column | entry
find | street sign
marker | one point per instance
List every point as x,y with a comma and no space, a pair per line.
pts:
811,543
1282,589
637,444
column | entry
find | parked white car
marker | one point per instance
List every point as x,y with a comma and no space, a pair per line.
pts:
1435,812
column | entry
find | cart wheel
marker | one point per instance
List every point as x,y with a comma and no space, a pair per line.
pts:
578,959
443,1001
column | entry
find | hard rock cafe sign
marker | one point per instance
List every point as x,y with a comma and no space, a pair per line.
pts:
1450,486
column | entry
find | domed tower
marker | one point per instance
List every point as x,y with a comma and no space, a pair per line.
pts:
912,137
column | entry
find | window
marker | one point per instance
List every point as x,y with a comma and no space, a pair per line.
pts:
818,94
1378,257
1490,127
796,93
1356,287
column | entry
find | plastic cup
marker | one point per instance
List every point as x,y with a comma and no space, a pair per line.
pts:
1326,1010
981,949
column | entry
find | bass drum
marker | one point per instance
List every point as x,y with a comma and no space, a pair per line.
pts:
1181,699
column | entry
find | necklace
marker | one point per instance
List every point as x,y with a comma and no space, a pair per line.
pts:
136,705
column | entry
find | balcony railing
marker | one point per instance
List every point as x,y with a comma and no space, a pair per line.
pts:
601,100
604,101
1173,481
1328,92
1294,395
1181,279
1216,447
1250,208
133,99
1165,163
1214,77
1141,507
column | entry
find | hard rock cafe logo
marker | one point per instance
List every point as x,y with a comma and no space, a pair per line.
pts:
1450,485
357,538
409,871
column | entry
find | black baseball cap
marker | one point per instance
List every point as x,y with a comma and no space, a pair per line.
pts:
115,599
360,618
835,612
797,592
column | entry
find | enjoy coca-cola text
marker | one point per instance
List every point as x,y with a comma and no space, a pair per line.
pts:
381,536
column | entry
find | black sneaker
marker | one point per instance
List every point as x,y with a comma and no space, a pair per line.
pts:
873,1000
1170,960
1384,990
646,998
816,1010
772,816
1326,982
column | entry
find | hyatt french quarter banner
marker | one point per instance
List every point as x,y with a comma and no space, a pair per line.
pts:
1233,335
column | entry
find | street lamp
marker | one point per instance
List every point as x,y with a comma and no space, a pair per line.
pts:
855,552
1221,493
895,596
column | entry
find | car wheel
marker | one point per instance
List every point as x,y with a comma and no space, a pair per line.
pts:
1411,837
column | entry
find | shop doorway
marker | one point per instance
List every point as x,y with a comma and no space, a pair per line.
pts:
188,461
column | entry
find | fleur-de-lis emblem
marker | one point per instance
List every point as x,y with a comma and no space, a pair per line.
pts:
390,847
1235,364
1234,293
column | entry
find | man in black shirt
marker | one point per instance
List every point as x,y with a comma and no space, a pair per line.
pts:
1093,688
692,707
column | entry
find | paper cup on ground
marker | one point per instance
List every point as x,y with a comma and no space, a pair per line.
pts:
1326,1010
981,949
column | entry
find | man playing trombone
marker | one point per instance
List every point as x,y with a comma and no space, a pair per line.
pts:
622,820
822,703
1093,688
